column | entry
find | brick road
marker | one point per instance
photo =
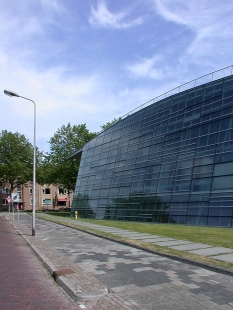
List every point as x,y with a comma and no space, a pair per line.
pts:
25,283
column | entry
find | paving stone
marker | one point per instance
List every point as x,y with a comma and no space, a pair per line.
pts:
138,237
191,246
211,251
149,240
215,251
166,242
225,258
170,243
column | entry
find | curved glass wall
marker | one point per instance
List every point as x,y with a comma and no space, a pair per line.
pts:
170,162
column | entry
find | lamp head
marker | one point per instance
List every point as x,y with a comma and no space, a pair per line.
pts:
10,93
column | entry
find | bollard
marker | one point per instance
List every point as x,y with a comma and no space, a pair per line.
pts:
76,214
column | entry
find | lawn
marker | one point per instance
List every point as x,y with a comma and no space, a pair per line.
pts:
59,213
215,236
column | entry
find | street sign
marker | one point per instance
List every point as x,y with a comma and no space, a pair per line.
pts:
15,197
8,200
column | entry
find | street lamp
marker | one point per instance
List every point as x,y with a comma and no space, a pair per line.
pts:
13,94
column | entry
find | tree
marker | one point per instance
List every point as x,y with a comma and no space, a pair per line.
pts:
108,124
16,159
60,170
55,201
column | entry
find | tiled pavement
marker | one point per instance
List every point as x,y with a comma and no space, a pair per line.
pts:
182,245
109,275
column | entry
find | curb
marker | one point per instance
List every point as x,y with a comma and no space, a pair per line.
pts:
64,282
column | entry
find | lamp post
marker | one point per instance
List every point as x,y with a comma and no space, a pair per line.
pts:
13,94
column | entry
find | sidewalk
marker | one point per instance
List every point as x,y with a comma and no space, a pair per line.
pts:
83,288
105,275
219,253
25,284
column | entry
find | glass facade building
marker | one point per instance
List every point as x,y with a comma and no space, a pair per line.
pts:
169,162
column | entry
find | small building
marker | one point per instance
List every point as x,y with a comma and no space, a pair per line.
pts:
48,197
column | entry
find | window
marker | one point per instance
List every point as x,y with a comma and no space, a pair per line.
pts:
204,161
165,184
208,128
61,191
182,185
5,190
222,182
30,190
46,202
46,191
4,201
31,201
226,123
191,117
223,169
200,185
207,140
203,169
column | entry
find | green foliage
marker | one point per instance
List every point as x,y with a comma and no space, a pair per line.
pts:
108,124
58,169
16,158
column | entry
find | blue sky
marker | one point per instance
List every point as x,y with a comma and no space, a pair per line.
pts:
89,61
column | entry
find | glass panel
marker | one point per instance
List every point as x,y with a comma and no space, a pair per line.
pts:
226,123
204,160
226,222
203,169
165,185
196,220
222,182
182,185
199,185
213,221
224,157
223,169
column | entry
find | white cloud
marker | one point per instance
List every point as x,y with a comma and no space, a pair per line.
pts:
53,5
103,17
194,14
146,68
58,99
209,20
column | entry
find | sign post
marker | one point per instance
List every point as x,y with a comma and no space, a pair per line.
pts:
8,200
13,214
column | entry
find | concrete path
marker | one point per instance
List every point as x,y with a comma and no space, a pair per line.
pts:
109,275
25,283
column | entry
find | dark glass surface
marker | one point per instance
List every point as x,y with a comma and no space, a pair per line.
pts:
170,162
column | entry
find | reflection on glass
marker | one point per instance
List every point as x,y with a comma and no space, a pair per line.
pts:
170,162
